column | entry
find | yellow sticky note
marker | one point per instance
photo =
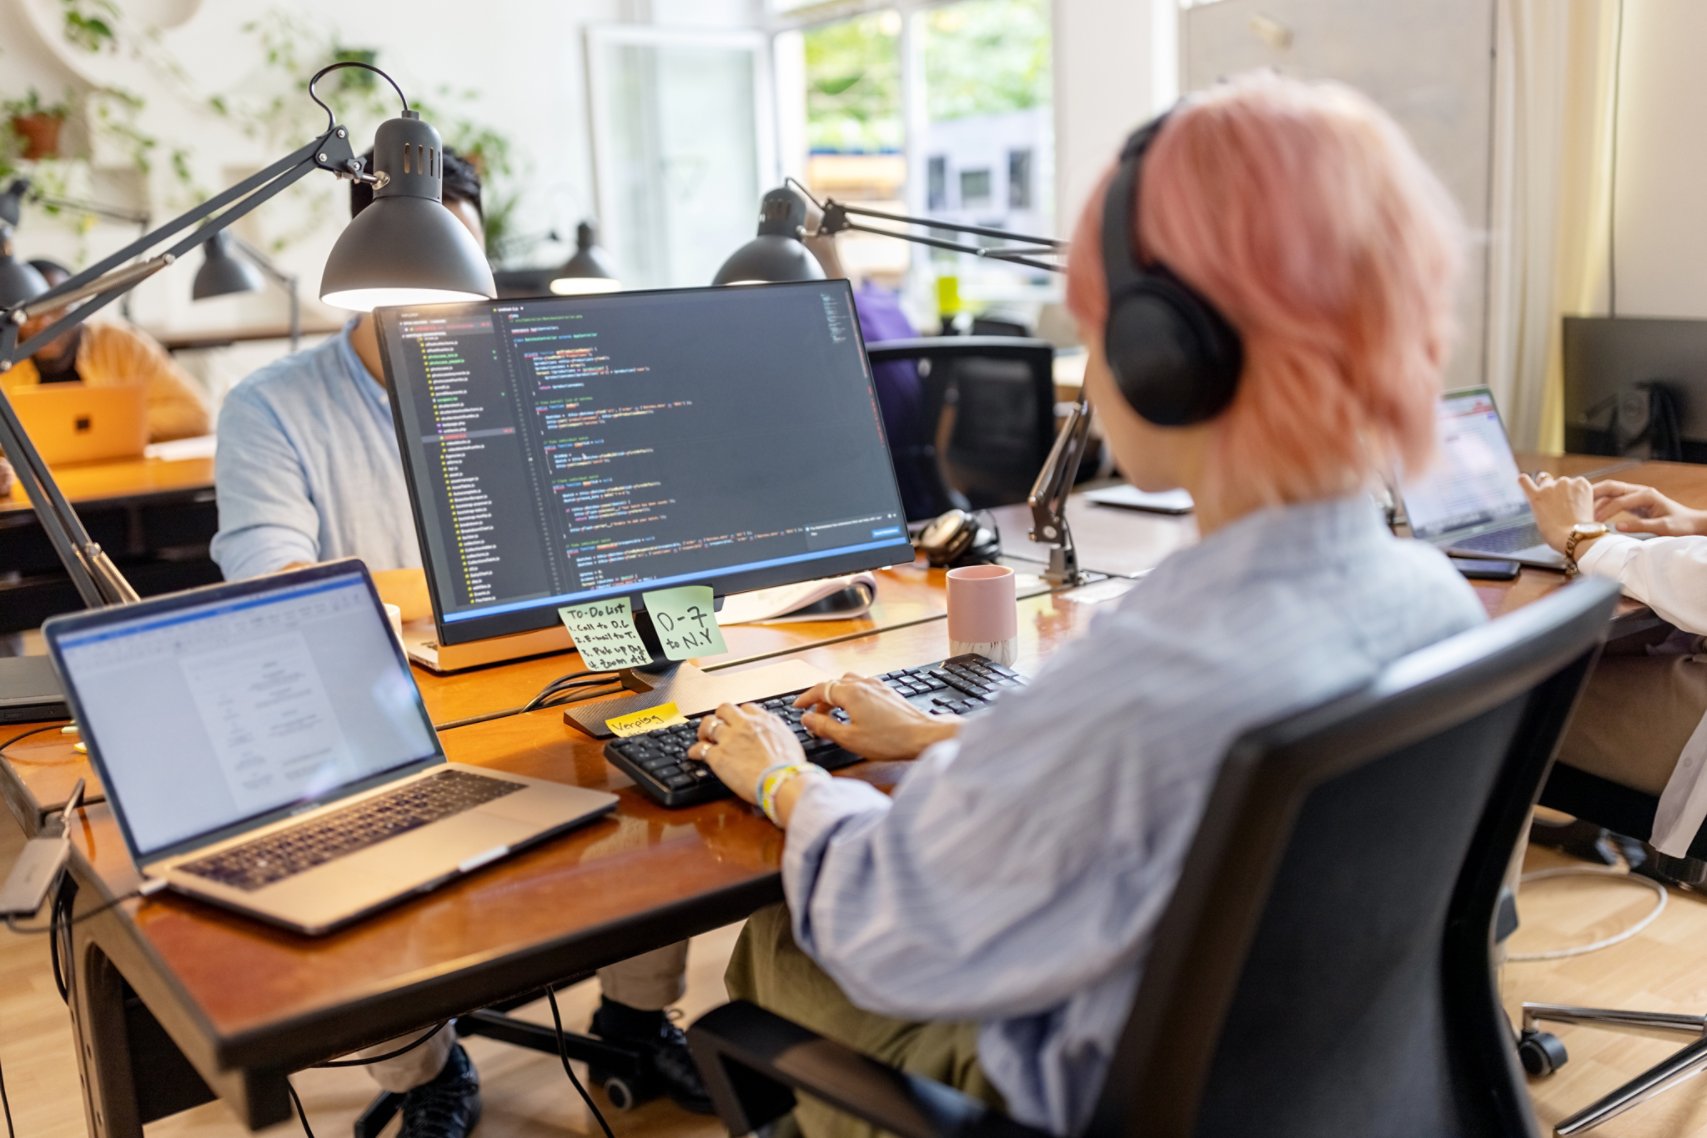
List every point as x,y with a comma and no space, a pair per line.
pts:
605,635
686,621
640,722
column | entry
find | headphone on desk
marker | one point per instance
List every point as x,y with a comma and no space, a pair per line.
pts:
958,538
1173,356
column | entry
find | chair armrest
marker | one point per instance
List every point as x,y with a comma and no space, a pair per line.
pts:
753,1061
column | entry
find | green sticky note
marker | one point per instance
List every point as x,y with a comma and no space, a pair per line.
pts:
605,635
686,621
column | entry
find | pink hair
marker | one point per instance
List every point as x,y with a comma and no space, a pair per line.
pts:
1304,214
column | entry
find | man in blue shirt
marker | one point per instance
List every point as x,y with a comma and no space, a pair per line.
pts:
308,469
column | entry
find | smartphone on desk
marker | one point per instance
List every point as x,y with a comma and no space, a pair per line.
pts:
1485,569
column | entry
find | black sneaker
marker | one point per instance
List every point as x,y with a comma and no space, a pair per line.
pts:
447,1107
665,1062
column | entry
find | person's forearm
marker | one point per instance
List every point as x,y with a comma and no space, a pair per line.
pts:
407,589
1669,575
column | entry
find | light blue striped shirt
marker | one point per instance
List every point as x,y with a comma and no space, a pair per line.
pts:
308,468
1016,875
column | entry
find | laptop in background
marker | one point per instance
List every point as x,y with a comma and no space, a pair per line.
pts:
264,748
73,422
1469,501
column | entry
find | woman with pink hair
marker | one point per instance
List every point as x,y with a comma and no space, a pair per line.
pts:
1265,282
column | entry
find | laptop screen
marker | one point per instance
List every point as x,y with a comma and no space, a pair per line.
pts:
1473,481
220,707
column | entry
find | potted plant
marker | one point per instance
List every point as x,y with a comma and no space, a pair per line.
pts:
36,124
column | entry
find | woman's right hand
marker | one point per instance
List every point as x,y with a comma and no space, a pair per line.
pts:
880,724
1650,511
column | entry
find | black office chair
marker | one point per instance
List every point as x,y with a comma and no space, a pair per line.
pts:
1002,390
1323,967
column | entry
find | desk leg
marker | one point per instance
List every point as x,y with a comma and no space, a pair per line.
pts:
110,1101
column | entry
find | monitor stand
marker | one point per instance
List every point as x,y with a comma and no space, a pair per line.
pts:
421,643
693,690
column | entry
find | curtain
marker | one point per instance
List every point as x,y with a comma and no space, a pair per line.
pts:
1553,136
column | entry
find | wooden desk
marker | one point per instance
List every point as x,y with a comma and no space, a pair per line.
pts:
154,517
242,1004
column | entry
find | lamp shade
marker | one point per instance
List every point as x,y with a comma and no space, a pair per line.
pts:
405,247
776,254
19,281
223,272
588,270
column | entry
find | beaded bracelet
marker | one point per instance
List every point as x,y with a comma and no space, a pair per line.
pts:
774,779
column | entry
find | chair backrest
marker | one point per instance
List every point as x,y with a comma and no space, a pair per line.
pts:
1324,967
1002,389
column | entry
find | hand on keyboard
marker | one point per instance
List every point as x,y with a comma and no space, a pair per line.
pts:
740,743
876,722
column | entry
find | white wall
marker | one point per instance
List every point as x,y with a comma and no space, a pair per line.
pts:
1661,221
1116,64
524,58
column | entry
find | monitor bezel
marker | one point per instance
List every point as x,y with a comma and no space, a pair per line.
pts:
57,628
544,614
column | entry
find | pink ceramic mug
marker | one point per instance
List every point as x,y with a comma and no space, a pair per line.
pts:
983,614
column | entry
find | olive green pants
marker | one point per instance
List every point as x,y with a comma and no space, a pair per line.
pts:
770,970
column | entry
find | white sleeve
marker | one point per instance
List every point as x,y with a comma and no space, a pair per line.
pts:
1668,574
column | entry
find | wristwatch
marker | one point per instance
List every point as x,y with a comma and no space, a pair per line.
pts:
1581,532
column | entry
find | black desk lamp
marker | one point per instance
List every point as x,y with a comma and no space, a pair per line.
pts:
779,254
403,249
232,265
13,198
589,269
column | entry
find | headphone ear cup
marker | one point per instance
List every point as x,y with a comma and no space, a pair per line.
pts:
1174,358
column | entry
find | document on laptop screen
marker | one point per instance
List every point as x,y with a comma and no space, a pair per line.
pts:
1474,477
206,716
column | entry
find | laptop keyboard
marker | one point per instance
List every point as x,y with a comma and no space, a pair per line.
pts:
1503,541
265,861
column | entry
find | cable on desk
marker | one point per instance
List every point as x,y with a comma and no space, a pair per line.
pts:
55,922
6,1105
22,735
388,1056
563,1054
574,683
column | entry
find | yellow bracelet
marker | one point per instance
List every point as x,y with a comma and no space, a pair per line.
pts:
773,782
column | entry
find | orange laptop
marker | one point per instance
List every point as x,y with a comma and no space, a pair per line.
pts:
73,422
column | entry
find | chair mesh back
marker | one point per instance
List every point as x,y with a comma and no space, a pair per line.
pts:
1003,420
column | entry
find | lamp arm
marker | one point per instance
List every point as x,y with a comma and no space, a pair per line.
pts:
836,216
269,267
1049,494
93,209
97,579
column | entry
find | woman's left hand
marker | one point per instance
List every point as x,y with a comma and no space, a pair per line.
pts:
1558,504
740,743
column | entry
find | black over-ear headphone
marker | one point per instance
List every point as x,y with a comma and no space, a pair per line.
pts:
1174,357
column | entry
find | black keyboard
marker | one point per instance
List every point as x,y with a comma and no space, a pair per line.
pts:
657,761
287,853
1503,541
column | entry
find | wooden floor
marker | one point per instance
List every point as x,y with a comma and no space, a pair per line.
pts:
1664,968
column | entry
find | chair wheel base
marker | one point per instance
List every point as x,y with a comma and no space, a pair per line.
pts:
1541,1052
625,1092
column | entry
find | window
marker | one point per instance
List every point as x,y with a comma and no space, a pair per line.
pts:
923,107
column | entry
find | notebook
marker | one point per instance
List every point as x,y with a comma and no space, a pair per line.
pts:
264,748
1469,502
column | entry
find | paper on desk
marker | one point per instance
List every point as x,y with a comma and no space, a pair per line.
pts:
200,446
685,619
782,602
605,635
640,722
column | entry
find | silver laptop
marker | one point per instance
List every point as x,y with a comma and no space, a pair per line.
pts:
264,747
1469,502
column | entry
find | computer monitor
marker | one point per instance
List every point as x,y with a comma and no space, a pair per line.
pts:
561,450
1606,358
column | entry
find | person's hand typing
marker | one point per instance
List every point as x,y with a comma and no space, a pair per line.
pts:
1559,504
1649,510
880,724
741,743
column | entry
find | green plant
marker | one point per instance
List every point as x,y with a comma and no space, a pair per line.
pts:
31,103
90,24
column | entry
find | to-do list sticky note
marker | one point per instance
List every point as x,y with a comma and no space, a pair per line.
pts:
686,621
605,635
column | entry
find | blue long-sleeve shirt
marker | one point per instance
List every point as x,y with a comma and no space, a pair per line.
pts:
308,468
1016,876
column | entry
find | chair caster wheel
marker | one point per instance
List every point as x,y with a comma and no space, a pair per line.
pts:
624,1092
1541,1052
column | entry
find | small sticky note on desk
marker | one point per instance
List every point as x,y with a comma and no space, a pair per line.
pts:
685,619
640,722
605,635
